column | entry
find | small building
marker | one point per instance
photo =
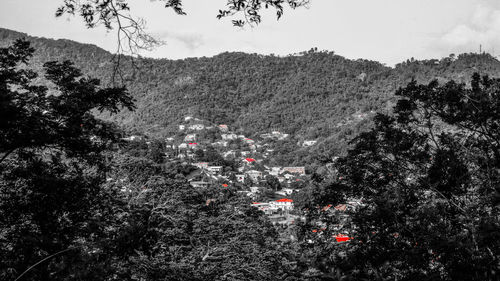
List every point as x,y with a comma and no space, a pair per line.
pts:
183,146
254,175
308,143
182,127
199,184
197,127
240,178
133,138
223,128
229,136
284,204
214,169
201,165
190,137
248,160
295,170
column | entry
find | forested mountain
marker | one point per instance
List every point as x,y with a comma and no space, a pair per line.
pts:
311,95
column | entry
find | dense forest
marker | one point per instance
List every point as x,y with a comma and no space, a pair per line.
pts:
81,202
313,95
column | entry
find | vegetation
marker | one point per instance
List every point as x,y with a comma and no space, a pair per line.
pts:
78,204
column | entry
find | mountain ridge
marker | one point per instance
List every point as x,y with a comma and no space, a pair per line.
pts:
314,95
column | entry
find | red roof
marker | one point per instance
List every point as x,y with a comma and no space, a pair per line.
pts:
284,200
224,185
250,159
342,238
193,143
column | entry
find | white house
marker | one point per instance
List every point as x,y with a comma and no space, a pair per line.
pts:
223,128
214,169
197,127
198,184
229,136
309,143
240,178
284,204
254,174
190,137
182,127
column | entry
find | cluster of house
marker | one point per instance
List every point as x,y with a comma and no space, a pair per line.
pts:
283,174
274,135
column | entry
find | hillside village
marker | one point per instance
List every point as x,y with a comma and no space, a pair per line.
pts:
221,156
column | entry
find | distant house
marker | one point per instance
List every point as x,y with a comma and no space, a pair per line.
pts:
254,189
214,169
201,165
183,146
133,138
197,127
229,136
254,175
231,153
182,127
199,184
193,144
249,160
295,170
190,137
170,139
219,143
223,128
240,178
284,204
275,171
309,143
265,207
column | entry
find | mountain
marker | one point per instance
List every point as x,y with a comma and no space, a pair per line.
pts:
313,95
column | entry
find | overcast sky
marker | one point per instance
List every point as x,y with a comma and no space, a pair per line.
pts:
388,31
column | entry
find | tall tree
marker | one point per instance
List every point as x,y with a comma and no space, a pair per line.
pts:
53,209
429,176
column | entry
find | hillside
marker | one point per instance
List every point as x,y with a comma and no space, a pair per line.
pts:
315,95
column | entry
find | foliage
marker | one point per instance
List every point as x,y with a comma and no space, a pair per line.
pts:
429,178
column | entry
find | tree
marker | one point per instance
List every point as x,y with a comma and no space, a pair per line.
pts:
131,34
429,176
53,211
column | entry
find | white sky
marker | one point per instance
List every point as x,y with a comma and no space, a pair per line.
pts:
389,31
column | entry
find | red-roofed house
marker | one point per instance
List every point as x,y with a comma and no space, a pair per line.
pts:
342,238
284,203
249,160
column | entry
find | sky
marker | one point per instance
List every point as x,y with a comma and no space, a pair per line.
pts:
389,31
